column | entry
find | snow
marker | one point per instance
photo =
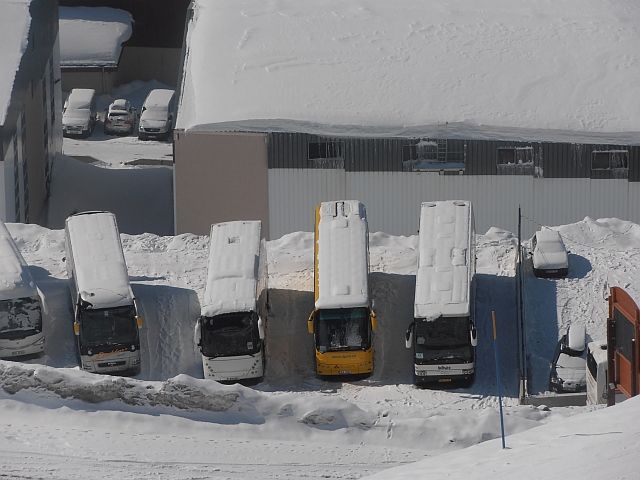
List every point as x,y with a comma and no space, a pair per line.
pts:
558,65
93,36
168,422
98,263
232,270
342,255
445,265
15,278
15,22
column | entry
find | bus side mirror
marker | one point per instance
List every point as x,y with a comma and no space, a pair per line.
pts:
139,321
76,328
474,337
408,338
374,321
310,322
197,333
261,328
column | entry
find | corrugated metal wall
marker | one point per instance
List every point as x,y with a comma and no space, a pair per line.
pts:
393,199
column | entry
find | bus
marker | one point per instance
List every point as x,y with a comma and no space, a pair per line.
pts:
230,332
443,335
105,313
343,320
21,331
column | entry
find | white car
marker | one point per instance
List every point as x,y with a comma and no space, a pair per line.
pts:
569,366
156,116
79,113
549,255
120,117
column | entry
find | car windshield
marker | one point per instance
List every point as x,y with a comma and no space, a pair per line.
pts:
230,334
343,329
551,247
20,317
119,114
109,326
155,113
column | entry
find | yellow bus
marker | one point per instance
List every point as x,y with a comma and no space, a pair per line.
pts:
343,320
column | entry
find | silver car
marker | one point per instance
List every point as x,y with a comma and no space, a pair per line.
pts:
549,255
120,117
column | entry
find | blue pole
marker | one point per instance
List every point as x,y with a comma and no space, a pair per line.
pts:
495,351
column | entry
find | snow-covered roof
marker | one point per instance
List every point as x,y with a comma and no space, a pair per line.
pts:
159,98
15,22
100,269
342,255
93,36
233,268
553,65
80,98
15,278
446,260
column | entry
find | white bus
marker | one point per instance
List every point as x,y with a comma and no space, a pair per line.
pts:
20,303
106,322
231,329
343,320
443,334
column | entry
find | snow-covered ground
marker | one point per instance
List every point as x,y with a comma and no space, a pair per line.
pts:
168,422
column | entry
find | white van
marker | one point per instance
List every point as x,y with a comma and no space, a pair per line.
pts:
156,116
79,112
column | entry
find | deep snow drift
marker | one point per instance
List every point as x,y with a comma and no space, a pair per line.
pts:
292,424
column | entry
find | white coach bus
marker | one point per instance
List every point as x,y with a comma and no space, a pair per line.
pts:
231,330
106,322
20,303
443,334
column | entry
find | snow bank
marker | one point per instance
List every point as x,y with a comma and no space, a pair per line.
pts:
93,36
557,65
14,31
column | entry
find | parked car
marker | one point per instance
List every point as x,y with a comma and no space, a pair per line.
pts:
120,117
569,366
79,112
549,255
156,116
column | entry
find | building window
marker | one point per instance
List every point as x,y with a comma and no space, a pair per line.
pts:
609,159
325,150
432,156
515,156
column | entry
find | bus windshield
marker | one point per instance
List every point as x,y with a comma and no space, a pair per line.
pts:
343,329
230,334
443,339
109,326
20,318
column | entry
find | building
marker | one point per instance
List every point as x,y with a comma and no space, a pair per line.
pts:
30,107
126,40
281,108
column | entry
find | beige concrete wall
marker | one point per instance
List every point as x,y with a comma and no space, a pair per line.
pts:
219,177
146,63
101,82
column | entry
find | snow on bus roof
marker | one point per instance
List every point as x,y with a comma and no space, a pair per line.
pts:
411,62
15,278
232,270
93,36
15,22
100,269
445,262
342,255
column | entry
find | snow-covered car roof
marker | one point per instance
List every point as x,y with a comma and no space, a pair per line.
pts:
93,36
119,104
389,64
15,22
15,278
342,255
80,98
446,260
550,251
100,269
159,98
233,268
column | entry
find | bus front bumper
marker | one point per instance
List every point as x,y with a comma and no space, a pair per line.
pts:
344,363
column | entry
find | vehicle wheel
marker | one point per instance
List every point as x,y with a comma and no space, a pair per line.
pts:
141,137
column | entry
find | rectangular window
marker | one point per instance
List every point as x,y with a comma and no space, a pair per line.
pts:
609,159
515,156
624,335
324,150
